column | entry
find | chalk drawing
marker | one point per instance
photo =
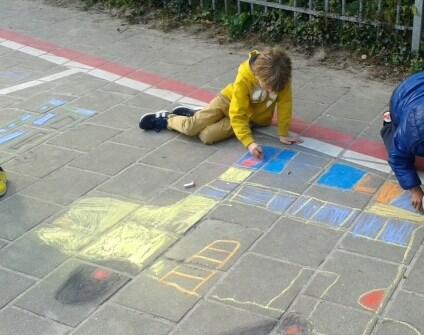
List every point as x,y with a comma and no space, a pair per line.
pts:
277,164
16,137
342,177
85,285
296,324
368,225
372,300
189,279
235,175
333,215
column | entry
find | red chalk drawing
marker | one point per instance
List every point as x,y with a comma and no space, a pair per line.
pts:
372,300
250,162
100,275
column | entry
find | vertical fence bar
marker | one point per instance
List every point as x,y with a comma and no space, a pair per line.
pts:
417,27
238,7
361,10
310,8
226,6
294,12
326,6
251,8
398,12
213,5
343,7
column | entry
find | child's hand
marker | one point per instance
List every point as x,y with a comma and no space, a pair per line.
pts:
256,150
417,195
290,140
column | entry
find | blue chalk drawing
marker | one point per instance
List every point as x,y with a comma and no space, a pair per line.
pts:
52,104
404,202
249,162
397,232
84,112
213,193
11,136
341,176
333,215
254,196
277,164
280,203
44,119
25,117
368,225
309,209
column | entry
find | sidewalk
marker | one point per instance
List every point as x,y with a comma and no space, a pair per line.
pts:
99,235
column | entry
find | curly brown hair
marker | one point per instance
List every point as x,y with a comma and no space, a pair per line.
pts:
273,68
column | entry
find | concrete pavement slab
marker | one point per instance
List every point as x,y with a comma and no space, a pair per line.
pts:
41,161
61,296
22,322
31,256
249,285
113,319
282,242
140,182
210,318
246,216
108,158
406,308
11,285
169,156
19,214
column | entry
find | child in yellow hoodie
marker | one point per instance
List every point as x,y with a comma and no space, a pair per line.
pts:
3,182
262,86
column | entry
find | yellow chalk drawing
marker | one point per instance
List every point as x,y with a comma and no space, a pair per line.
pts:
114,230
235,175
182,276
394,212
406,324
129,242
85,222
214,252
266,306
177,218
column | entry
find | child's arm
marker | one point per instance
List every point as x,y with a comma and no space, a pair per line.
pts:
284,115
402,163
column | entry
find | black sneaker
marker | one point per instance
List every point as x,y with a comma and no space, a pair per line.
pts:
154,121
184,111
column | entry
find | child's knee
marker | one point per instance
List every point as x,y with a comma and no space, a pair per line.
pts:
207,137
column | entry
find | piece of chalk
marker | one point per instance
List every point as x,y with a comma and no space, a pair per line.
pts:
189,185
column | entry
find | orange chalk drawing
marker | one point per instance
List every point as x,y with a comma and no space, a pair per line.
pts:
388,192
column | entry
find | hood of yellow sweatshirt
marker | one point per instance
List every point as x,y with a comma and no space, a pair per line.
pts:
246,70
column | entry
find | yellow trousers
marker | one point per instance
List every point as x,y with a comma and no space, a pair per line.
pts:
211,123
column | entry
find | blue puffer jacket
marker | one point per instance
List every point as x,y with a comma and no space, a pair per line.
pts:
407,112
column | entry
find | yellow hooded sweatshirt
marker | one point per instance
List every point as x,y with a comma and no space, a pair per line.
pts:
250,104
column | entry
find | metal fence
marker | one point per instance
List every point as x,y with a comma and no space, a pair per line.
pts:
398,14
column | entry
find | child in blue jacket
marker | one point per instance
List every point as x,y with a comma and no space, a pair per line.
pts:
403,135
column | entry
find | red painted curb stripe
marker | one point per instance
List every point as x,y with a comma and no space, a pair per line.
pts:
364,146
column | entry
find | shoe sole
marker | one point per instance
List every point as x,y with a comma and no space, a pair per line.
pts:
187,111
142,118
